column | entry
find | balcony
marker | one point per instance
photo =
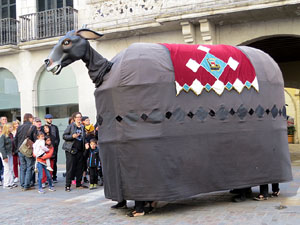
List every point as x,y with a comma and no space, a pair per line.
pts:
47,24
9,31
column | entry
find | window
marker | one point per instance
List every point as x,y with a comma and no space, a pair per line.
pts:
50,4
8,9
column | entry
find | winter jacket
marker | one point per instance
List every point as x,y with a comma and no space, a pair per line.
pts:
5,146
68,137
93,157
39,147
22,134
46,156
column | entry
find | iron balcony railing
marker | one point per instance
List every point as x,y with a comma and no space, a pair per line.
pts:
49,23
9,31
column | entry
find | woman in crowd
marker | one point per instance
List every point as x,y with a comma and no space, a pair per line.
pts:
74,137
15,125
6,151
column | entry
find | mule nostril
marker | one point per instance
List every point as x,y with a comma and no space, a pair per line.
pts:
47,62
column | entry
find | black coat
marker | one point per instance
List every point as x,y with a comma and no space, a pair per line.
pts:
93,157
23,132
68,137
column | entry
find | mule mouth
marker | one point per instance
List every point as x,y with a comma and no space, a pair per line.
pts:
56,70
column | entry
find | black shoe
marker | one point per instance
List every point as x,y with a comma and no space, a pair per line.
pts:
54,180
239,198
120,205
68,189
85,180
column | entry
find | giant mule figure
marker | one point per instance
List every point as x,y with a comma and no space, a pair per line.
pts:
158,143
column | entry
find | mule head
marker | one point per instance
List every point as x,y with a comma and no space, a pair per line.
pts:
69,48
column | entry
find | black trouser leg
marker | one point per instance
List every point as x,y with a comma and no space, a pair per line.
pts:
264,190
69,168
79,168
139,206
93,175
54,173
275,187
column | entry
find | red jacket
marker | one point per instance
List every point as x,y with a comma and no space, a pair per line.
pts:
46,156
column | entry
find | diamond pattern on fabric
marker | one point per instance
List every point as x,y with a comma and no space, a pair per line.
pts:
168,115
179,114
259,111
222,113
144,116
229,86
191,115
193,65
251,111
155,116
232,63
119,118
248,84
213,65
238,85
203,48
201,113
284,111
274,111
218,87
212,113
242,112
207,87
197,87
186,87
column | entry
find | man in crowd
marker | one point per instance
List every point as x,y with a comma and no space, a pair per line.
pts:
55,133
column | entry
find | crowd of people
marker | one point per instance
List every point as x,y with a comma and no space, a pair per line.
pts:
82,158
80,145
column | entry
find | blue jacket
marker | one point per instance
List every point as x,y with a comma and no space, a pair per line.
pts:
93,157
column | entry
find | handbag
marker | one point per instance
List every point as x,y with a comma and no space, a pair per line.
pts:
26,147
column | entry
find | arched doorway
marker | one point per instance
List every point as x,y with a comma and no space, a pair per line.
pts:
284,49
57,95
9,96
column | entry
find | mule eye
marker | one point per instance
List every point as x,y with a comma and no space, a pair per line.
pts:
66,42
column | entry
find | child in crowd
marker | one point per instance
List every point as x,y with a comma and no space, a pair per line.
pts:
41,165
89,134
39,150
92,153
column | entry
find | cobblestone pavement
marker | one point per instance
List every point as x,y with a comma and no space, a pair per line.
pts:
91,207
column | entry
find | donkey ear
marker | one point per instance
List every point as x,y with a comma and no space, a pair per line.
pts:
88,34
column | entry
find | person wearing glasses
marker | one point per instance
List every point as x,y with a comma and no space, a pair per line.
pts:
74,146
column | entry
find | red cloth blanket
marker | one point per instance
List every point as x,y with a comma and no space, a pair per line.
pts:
211,67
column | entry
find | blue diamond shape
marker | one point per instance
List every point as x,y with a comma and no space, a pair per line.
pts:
186,87
208,87
229,86
213,65
248,84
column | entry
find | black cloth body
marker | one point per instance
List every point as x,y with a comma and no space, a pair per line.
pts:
159,146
